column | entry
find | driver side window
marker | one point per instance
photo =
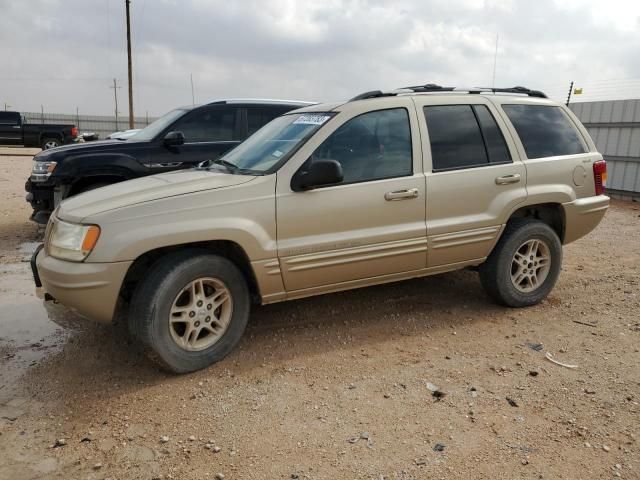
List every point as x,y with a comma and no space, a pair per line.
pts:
208,125
371,146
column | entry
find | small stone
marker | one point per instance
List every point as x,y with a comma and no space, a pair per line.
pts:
219,476
606,448
61,442
216,449
352,386
208,446
533,373
97,466
192,438
386,395
439,447
431,387
525,461
164,439
589,391
364,435
618,466
587,444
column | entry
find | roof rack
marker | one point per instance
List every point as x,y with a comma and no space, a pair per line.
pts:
432,87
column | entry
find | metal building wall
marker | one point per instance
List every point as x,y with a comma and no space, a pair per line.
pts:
103,125
615,128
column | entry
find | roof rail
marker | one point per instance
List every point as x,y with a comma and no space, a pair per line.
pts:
372,94
432,87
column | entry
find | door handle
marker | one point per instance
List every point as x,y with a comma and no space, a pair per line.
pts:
507,179
401,194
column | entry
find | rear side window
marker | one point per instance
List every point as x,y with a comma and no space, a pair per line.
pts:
258,117
464,136
545,131
9,118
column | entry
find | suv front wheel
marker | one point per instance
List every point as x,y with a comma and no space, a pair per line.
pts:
524,265
190,310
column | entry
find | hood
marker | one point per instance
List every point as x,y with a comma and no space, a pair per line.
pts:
83,147
146,189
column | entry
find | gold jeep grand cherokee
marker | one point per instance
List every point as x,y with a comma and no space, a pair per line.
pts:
385,187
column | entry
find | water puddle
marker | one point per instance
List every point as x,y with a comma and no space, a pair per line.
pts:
30,329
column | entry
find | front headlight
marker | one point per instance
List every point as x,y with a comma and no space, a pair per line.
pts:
72,241
40,171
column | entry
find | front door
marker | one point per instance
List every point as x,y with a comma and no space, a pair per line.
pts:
209,133
474,179
372,224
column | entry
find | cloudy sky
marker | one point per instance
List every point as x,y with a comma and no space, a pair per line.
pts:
63,54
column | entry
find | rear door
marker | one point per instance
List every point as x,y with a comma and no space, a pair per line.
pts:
209,133
474,177
10,128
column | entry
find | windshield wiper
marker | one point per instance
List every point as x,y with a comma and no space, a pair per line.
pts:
230,167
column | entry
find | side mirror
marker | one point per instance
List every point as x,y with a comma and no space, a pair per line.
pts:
173,139
320,173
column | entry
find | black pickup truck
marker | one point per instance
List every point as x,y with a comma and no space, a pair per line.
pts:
15,131
182,138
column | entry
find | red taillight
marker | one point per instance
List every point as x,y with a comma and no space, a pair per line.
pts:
600,176
74,132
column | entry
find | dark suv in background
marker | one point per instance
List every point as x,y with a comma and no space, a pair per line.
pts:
180,139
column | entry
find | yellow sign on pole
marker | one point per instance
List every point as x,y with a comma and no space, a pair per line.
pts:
577,91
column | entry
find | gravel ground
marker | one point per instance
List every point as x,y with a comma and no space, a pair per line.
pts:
338,386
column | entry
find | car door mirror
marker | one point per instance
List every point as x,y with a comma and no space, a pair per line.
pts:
319,173
173,139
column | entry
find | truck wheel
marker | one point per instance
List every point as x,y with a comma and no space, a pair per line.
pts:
524,265
190,310
48,143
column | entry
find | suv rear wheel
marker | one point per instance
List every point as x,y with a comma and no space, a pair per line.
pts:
524,265
190,310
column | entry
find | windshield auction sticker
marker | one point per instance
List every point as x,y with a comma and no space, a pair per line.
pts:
312,119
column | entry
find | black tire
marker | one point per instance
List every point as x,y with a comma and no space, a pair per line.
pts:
50,142
495,273
153,298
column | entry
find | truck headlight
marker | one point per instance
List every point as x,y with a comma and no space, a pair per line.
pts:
42,170
72,241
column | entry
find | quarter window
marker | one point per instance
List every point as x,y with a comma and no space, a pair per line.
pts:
258,117
208,125
464,136
545,130
371,146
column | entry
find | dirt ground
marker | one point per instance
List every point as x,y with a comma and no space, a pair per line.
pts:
337,387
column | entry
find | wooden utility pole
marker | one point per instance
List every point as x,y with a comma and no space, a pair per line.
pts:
127,2
115,98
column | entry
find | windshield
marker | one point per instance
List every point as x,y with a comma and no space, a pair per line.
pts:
153,129
269,145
